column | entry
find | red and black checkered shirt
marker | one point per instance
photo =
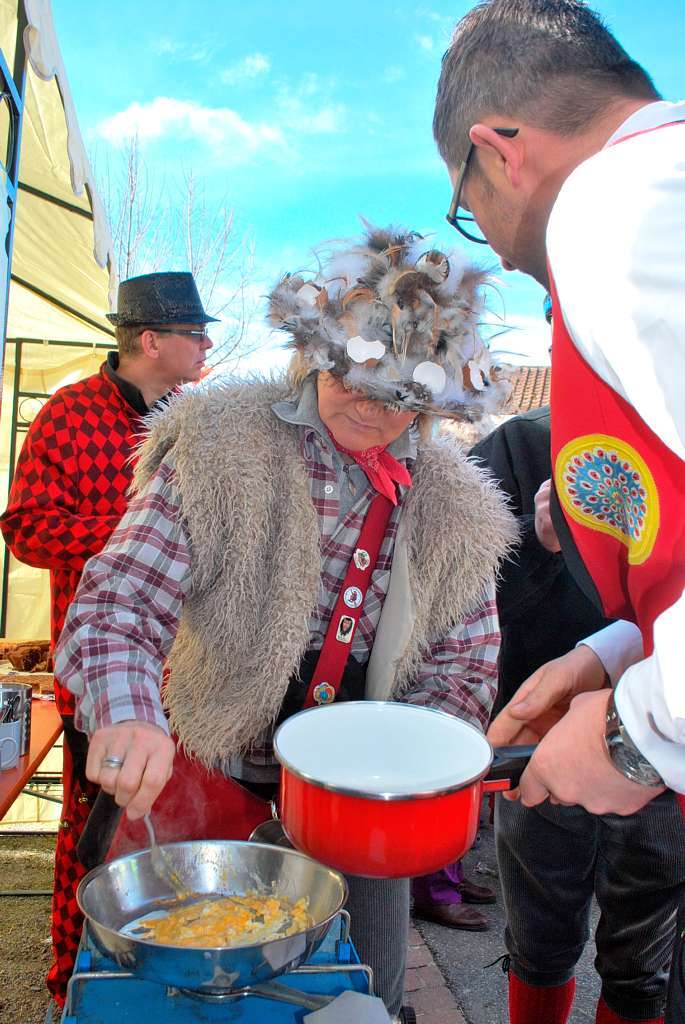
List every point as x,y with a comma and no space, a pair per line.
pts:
70,488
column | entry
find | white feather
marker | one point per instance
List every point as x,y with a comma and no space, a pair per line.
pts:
458,264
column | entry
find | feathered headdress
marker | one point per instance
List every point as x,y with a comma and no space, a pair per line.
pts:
396,321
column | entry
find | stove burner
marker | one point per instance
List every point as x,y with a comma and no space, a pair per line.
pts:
100,992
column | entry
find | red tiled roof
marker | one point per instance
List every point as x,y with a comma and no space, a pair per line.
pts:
530,389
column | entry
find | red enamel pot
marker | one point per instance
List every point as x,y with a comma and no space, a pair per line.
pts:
387,790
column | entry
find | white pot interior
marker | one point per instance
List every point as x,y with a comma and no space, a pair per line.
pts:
382,748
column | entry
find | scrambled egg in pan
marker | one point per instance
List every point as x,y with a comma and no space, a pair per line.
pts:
227,921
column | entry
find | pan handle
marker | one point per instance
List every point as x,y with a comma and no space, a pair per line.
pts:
508,765
270,832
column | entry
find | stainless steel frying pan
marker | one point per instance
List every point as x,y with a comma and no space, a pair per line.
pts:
116,894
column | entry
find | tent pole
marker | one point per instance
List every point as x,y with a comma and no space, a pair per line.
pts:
62,305
69,344
10,474
14,88
19,69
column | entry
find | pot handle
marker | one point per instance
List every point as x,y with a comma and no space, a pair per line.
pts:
508,765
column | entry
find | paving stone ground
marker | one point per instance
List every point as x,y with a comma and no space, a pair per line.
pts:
425,987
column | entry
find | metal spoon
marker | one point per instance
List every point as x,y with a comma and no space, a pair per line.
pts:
165,871
10,708
162,866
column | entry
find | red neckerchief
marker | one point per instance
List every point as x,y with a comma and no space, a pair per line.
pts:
382,469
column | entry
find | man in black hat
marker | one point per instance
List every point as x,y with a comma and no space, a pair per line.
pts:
70,490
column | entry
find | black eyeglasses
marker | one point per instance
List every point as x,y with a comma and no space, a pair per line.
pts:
453,216
204,333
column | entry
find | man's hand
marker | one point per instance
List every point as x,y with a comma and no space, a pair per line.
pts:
148,756
544,528
544,698
571,765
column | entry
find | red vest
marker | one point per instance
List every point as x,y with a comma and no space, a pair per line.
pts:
621,488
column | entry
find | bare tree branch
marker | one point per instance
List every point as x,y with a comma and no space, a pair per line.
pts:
155,227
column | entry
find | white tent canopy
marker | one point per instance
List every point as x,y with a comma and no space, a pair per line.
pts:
62,277
62,247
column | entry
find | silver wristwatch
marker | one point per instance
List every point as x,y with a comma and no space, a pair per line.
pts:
625,756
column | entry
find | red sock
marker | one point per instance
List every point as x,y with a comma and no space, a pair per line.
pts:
532,1004
607,1016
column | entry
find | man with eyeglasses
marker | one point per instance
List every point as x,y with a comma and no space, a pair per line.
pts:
69,491
565,159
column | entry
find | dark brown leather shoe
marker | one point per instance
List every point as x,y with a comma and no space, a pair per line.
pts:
472,893
453,915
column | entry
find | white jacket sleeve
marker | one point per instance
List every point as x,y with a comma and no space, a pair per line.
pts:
651,698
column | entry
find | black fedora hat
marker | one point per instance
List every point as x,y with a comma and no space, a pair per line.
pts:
168,298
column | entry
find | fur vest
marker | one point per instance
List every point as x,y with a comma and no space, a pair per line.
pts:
255,561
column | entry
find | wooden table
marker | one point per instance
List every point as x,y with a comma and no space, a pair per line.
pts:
46,726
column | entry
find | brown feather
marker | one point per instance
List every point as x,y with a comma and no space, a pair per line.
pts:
358,292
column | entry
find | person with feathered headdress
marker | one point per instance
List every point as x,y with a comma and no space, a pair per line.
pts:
396,321
255,500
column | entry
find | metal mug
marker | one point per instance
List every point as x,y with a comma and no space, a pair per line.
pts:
18,695
10,734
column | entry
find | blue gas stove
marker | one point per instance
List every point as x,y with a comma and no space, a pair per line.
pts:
101,992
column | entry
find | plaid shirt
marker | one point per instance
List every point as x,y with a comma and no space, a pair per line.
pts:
123,621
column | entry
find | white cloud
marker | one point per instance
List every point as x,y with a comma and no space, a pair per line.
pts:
445,21
195,53
527,341
393,74
219,127
426,43
252,66
310,84
326,121
297,111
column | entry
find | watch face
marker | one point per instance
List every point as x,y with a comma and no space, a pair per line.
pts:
630,762
625,756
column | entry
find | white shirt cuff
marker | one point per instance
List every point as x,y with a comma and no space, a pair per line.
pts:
651,699
617,646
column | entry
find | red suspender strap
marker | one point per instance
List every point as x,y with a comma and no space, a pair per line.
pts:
348,608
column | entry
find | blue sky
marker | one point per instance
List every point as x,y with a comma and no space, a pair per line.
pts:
304,116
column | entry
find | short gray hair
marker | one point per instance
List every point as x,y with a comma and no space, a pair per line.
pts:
552,63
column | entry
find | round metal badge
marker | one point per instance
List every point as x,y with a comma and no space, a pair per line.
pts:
353,597
324,693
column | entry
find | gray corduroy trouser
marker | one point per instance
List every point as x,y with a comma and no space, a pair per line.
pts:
675,1004
379,909
551,861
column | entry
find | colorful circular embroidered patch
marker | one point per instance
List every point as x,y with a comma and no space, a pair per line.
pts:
324,693
605,485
